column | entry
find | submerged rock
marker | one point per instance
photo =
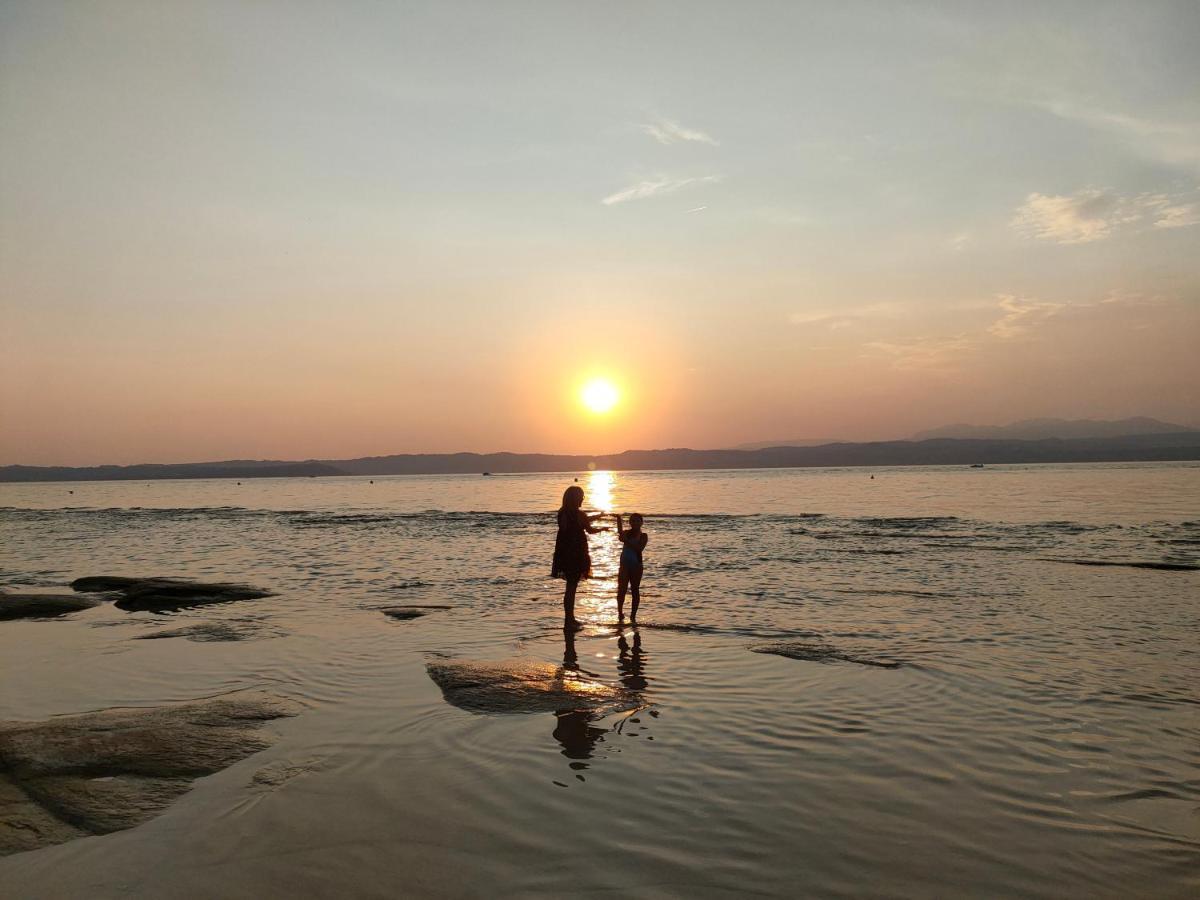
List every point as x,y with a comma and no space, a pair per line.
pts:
275,775
159,594
95,773
37,606
820,653
525,687
410,612
104,583
208,632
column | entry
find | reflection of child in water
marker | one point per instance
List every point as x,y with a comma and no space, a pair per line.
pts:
629,573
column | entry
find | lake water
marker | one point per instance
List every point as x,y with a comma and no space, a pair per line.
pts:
979,709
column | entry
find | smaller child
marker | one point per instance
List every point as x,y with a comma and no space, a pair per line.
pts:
629,573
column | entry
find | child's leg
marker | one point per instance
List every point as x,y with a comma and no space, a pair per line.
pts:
622,587
635,588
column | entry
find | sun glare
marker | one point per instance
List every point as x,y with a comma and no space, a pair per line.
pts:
599,395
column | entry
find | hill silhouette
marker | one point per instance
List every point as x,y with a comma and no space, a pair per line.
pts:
1042,429
1173,446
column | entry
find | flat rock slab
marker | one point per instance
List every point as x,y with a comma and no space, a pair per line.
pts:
410,612
821,653
526,687
39,606
162,594
74,776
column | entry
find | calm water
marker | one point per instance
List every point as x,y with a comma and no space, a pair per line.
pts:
1040,737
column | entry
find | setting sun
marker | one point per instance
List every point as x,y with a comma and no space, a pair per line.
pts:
599,395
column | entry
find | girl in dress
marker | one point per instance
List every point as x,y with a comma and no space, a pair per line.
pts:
572,562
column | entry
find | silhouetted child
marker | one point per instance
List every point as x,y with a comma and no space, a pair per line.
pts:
629,573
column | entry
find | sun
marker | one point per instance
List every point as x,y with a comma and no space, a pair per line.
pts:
599,395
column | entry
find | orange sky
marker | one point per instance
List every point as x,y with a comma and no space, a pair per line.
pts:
245,233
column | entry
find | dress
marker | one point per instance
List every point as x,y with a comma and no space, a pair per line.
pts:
571,559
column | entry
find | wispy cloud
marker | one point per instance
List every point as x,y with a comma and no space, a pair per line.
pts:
935,354
1079,218
666,131
1020,319
1173,141
1021,315
656,187
1168,212
834,320
1094,214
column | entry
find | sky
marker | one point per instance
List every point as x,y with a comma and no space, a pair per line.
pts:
322,230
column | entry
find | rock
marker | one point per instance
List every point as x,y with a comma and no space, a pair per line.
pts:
275,775
820,653
160,594
525,687
95,773
410,612
104,583
207,632
36,606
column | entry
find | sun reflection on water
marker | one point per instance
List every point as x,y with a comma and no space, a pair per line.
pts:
599,490
599,603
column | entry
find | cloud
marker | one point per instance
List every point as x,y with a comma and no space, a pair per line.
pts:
1021,315
1174,141
1093,214
666,131
654,188
938,354
1082,217
1020,318
1168,212
844,318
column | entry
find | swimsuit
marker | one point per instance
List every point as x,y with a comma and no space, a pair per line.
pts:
631,553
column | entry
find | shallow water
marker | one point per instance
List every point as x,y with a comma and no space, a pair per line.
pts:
1040,736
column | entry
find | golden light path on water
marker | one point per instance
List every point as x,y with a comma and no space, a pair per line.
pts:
597,604
599,491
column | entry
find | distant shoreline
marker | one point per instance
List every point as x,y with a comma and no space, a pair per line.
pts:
1171,447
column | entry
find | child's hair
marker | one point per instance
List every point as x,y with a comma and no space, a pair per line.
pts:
573,497
635,521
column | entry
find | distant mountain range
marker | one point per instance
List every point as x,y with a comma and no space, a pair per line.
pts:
795,442
1165,447
1041,429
